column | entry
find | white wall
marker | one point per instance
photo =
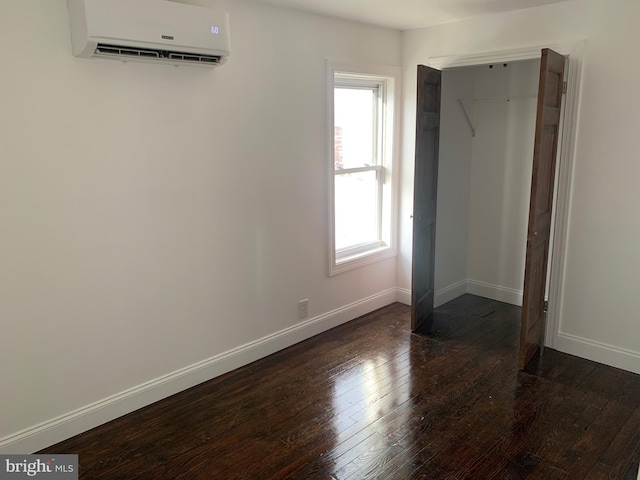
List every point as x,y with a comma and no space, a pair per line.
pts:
598,313
160,224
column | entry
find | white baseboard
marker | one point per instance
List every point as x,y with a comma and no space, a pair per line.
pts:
450,292
403,295
475,287
65,426
598,352
495,292
442,296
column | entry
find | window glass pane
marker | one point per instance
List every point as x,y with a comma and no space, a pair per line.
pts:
356,209
354,112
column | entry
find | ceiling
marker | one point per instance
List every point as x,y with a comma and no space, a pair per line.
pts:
408,14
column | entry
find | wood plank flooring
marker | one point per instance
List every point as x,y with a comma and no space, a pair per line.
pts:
370,400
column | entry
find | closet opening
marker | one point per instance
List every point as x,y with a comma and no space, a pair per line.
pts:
486,119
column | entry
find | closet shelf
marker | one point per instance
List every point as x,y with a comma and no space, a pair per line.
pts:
506,98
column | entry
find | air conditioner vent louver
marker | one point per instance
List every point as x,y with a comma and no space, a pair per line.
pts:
190,57
182,57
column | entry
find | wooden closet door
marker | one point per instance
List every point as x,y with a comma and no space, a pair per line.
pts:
540,208
425,193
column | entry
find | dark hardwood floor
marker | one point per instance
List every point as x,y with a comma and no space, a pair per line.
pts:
370,400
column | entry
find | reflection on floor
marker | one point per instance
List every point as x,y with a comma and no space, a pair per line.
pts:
369,399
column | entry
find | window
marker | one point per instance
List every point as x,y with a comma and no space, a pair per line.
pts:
363,144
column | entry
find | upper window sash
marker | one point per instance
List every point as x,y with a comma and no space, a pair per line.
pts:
377,87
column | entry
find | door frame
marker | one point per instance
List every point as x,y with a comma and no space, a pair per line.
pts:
567,152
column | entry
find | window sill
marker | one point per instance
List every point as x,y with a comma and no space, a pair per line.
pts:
357,260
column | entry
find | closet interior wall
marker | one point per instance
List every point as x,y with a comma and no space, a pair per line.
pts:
484,180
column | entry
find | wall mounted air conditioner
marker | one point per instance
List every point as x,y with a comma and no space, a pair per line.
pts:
158,31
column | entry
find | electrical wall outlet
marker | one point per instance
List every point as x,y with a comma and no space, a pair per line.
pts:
303,308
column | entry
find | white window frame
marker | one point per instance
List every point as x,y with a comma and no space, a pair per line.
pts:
387,148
